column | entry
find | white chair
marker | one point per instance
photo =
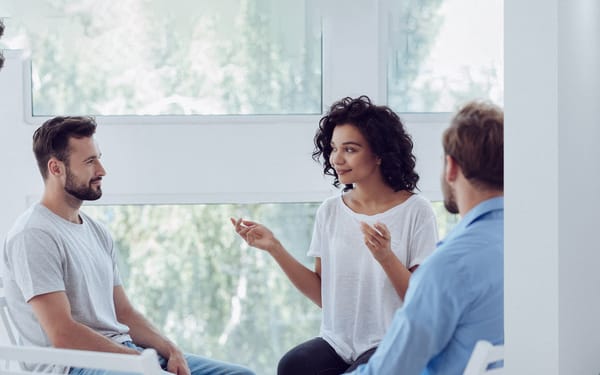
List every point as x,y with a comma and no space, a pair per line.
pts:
483,355
6,321
6,318
146,363
7,326
15,356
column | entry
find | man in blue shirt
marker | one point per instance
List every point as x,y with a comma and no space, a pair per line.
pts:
456,297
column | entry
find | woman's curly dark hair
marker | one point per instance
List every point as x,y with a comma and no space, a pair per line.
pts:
384,132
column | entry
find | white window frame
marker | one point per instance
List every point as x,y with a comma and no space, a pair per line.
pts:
227,159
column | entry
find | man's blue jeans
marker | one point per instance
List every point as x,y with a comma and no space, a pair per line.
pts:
198,366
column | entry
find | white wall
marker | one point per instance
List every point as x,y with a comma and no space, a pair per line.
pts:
552,70
15,143
579,186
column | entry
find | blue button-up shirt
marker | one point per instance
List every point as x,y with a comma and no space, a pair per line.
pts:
455,298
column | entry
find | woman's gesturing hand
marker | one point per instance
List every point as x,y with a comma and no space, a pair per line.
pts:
378,240
255,234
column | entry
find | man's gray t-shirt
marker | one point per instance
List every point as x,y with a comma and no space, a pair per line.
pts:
45,253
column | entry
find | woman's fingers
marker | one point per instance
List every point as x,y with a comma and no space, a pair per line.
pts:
248,223
375,241
374,231
242,227
237,223
383,230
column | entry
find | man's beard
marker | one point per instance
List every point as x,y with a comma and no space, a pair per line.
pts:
449,199
82,192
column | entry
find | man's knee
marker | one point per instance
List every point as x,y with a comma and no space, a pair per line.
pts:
201,365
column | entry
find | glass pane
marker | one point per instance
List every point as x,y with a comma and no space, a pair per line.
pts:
445,52
191,274
159,57
187,270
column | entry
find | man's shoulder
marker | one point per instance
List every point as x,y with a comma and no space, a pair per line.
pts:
477,242
472,247
466,258
32,221
484,227
478,232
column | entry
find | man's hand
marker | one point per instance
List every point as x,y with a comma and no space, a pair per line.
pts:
177,364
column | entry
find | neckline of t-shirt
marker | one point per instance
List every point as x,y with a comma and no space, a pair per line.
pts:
387,212
46,211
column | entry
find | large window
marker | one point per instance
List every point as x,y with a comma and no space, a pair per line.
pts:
444,52
138,57
159,57
190,273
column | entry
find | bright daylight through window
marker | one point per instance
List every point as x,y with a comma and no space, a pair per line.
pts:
444,52
138,57
196,279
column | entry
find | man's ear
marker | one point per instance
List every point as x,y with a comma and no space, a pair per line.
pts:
451,169
55,167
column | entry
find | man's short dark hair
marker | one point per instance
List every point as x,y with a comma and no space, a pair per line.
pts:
52,138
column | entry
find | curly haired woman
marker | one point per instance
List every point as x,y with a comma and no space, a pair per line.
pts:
366,242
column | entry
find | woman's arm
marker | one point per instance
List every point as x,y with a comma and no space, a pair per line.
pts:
257,235
378,241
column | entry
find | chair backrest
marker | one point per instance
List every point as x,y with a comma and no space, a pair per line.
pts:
483,355
5,317
146,363
7,321
7,325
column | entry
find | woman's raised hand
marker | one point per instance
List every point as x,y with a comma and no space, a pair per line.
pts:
378,240
255,234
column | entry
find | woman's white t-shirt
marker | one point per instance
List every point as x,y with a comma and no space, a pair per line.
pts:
358,299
